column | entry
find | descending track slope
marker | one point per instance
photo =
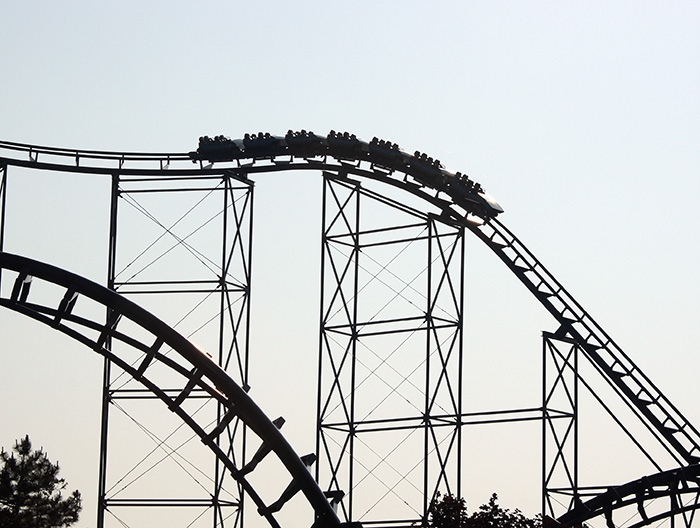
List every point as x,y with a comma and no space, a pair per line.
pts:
672,429
454,194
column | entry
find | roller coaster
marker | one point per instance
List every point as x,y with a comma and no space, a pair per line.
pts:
138,343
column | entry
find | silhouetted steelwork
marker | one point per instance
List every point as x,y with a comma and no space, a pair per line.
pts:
424,331
673,431
3,203
450,197
674,493
225,282
158,350
560,395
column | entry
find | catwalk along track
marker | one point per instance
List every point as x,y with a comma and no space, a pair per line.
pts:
454,195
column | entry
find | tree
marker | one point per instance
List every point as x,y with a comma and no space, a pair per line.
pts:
30,491
451,512
491,515
448,512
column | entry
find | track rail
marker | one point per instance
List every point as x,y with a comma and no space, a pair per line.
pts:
681,486
454,194
419,174
680,438
159,348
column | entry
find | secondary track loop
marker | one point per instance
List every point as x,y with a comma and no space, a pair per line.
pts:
455,195
640,493
151,338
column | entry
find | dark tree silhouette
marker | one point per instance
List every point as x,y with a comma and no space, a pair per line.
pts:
30,491
451,512
447,512
491,515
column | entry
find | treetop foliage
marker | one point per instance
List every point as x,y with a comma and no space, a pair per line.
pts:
451,512
30,490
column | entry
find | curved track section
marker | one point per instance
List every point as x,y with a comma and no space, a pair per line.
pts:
453,193
60,299
679,487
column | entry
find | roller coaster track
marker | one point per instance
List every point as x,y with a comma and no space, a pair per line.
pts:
680,486
195,370
455,195
672,429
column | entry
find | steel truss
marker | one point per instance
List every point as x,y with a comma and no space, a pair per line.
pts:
673,494
677,436
559,423
388,336
205,262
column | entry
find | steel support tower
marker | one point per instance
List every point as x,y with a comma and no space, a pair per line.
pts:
560,395
390,338
193,240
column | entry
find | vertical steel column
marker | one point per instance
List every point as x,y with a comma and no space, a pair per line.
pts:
106,376
426,406
560,392
354,333
460,367
390,355
444,355
240,237
338,308
3,203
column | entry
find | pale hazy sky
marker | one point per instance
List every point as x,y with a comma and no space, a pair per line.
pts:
582,119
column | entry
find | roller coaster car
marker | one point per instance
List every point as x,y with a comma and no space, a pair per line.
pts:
305,144
427,171
470,196
263,145
219,148
481,204
457,184
388,154
346,146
